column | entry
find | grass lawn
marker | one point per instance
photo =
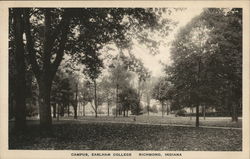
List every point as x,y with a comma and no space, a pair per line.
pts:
170,120
77,135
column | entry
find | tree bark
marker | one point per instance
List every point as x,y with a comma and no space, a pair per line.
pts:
116,100
197,116
197,96
124,111
44,104
75,111
95,98
76,102
162,110
148,103
45,74
62,106
148,109
20,107
54,110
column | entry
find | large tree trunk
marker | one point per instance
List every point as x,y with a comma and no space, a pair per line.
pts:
45,74
20,107
11,107
44,104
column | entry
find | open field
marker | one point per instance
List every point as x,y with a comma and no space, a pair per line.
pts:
169,120
158,120
80,135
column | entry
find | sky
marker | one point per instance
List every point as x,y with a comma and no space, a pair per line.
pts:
153,63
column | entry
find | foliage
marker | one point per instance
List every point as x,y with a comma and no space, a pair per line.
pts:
52,32
207,60
162,90
181,112
105,88
128,99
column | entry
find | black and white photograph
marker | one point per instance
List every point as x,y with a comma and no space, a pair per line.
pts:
152,79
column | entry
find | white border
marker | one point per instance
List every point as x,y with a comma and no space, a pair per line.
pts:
5,153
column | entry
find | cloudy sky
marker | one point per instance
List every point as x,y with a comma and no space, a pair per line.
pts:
153,63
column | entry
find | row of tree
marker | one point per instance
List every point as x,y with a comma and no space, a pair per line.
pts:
206,65
39,39
48,46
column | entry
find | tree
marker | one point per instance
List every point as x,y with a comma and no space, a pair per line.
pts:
129,100
50,33
95,96
226,35
93,70
143,75
107,92
86,94
120,77
162,92
19,56
62,93
207,51
127,65
148,89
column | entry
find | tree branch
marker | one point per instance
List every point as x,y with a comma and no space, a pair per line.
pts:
63,23
48,41
30,45
60,52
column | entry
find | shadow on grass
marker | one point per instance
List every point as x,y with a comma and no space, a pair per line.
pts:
116,136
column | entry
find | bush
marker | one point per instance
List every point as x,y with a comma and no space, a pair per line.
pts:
181,112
